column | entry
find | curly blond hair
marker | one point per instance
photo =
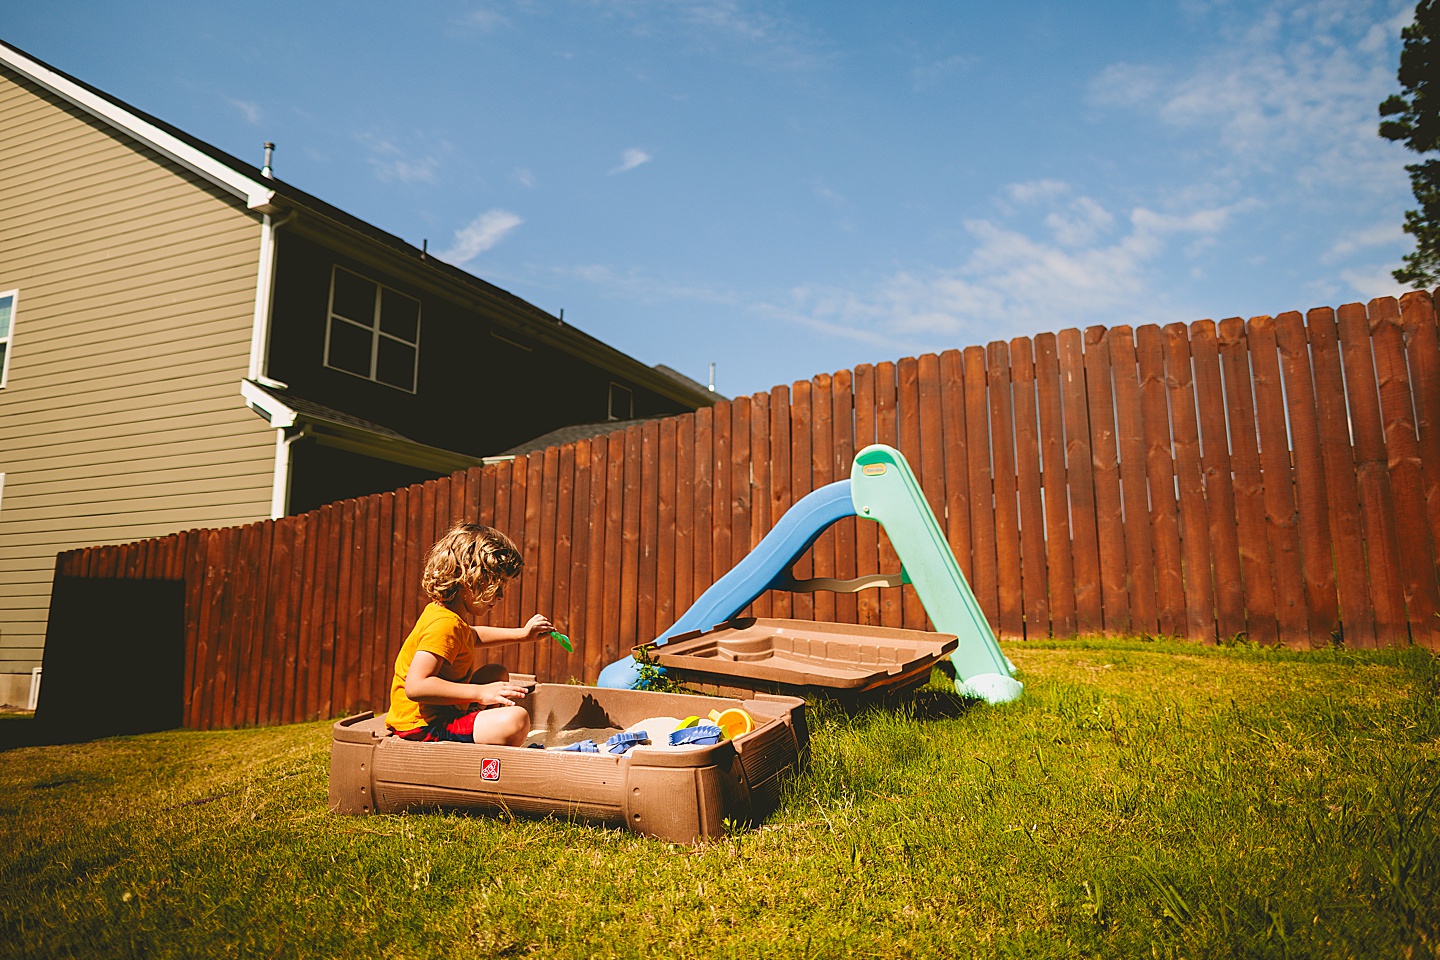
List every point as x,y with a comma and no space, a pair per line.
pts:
470,555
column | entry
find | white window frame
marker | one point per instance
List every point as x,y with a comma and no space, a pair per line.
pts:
331,317
610,405
9,338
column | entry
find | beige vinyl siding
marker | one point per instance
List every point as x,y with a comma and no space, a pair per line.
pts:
122,417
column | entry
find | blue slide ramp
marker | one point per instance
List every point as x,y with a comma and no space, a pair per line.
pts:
766,566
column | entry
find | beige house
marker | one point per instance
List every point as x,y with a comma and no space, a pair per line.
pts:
186,341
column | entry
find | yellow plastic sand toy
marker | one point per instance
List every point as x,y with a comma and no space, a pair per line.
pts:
733,722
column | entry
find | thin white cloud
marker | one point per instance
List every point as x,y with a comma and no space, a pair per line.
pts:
631,159
391,163
1294,91
248,109
484,19
480,235
1375,235
1080,223
1011,282
1034,191
1373,281
928,75
524,177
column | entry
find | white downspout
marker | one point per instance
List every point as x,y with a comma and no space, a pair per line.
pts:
264,300
280,491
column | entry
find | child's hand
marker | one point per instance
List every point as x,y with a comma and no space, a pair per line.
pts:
538,628
501,693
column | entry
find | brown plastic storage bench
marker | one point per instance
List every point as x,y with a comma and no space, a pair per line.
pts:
681,794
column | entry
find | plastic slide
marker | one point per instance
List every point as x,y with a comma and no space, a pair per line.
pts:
882,488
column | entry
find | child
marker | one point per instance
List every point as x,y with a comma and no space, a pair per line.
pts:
436,692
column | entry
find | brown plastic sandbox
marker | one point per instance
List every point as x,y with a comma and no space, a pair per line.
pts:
848,662
680,794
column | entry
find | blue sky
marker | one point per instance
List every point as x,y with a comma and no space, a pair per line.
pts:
789,188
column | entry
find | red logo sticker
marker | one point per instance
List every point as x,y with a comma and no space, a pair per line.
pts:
489,769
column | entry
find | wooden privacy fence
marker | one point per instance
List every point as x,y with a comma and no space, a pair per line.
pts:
1277,478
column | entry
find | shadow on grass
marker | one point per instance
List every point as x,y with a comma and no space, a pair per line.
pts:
16,732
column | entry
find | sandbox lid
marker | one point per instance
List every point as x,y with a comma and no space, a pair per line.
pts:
842,658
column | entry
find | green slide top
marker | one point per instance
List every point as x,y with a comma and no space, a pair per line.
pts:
884,489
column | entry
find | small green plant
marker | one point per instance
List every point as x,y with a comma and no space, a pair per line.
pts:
653,676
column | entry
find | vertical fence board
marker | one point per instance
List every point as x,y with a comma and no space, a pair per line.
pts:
802,605
1417,559
257,663
1105,461
1417,320
704,488
548,545
1316,550
822,462
1010,607
1279,484
366,588
1085,545
740,487
329,612
382,650
1190,483
842,422
684,516
720,520
1260,619
628,634
956,463
1059,560
597,554
514,656
665,530
395,570
1219,484
574,624
192,565
780,492
867,543
1130,440
907,405
649,540
532,547
298,650
614,545
277,620
1377,508
413,598
985,582
241,591
223,638
345,634
760,483
1036,582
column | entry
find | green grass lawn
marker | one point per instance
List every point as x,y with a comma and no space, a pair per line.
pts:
1141,799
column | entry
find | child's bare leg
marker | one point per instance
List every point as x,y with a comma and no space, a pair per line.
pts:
505,726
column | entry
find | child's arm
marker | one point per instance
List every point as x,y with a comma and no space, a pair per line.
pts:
536,629
423,684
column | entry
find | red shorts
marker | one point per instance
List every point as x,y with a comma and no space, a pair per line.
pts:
459,729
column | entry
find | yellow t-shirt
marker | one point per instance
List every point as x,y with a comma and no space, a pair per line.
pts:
439,631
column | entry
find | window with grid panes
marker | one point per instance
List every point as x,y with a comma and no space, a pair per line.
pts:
373,331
